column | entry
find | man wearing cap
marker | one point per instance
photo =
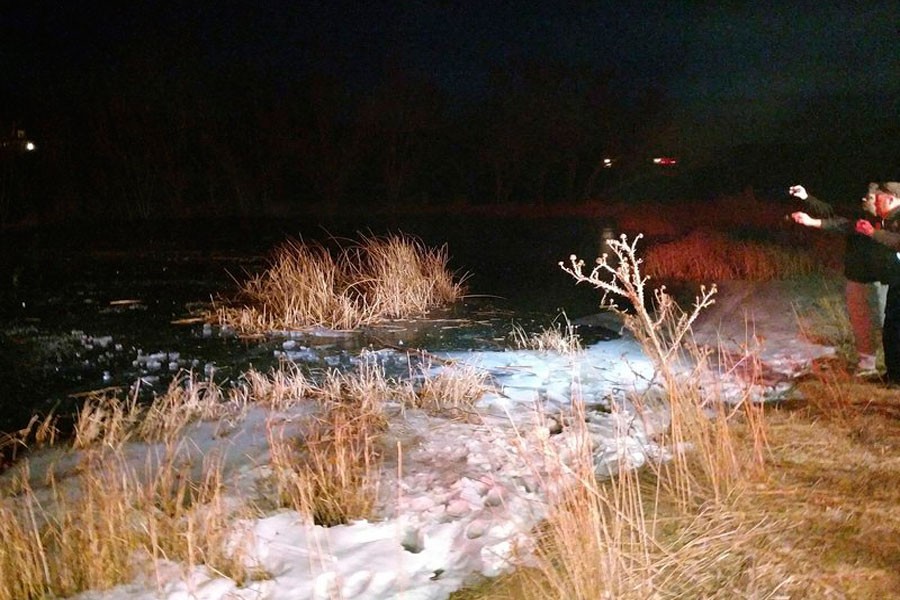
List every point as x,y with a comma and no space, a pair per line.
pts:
866,264
887,232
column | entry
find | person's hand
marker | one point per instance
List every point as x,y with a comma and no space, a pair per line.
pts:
864,227
803,219
799,191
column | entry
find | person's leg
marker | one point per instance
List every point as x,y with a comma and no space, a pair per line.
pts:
890,334
863,320
880,299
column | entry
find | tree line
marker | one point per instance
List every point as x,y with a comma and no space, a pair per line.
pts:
140,141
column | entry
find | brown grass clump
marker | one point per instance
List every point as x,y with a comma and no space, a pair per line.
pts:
329,471
825,321
738,212
278,390
706,255
39,432
372,280
93,530
402,277
108,420
558,338
186,400
92,527
451,392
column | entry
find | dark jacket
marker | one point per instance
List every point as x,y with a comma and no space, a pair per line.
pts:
865,259
888,235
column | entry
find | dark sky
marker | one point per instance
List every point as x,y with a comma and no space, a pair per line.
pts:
734,71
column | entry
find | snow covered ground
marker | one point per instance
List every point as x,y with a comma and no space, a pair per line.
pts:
464,498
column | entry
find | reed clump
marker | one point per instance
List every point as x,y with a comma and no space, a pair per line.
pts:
451,391
329,469
99,515
705,255
561,337
361,283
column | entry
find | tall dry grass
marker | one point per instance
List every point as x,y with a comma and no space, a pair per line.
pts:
329,468
708,255
791,501
451,391
329,471
678,528
703,459
824,320
279,390
625,537
97,525
373,279
97,528
560,337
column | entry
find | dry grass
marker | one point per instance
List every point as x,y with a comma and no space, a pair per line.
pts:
278,390
632,536
832,477
329,471
797,501
726,213
826,322
93,530
108,420
707,255
452,391
38,433
374,279
402,277
559,338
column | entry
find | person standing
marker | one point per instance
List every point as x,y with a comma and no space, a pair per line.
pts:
866,266
887,233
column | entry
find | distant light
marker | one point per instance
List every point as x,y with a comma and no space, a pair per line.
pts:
665,161
607,163
29,146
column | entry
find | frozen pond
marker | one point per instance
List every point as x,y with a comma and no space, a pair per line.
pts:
82,310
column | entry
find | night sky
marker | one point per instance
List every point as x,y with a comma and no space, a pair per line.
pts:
728,73
753,66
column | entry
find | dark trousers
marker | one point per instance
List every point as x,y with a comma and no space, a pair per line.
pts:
890,333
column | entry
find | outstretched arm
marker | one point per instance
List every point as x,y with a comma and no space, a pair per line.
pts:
806,220
814,205
829,224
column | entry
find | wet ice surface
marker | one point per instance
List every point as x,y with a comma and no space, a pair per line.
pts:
89,322
85,323
86,306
